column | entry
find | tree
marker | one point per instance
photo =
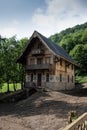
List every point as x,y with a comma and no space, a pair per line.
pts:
79,53
21,69
2,40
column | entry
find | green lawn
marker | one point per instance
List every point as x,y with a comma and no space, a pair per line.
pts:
81,79
4,87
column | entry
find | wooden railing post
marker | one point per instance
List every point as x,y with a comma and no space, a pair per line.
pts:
79,124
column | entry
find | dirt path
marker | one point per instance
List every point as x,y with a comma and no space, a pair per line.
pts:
42,111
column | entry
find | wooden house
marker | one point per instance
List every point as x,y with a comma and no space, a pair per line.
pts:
47,65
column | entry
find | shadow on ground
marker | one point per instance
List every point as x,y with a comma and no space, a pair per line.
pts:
79,91
43,104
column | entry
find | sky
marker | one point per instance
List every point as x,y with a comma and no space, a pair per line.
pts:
22,17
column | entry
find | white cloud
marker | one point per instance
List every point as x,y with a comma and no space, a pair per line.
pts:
59,15
9,28
8,31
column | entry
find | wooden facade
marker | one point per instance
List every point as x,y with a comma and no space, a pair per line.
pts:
44,68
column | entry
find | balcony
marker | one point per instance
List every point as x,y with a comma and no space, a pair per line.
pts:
39,67
37,52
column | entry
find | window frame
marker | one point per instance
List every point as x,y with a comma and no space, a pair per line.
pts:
32,61
47,60
39,61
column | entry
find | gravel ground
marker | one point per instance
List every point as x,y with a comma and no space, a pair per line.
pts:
43,110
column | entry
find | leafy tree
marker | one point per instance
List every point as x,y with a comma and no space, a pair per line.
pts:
79,53
84,37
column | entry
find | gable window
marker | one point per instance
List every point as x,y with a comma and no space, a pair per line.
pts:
39,61
47,77
47,60
32,61
40,46
60,77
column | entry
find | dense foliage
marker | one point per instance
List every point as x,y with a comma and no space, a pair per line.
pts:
74,41
10,71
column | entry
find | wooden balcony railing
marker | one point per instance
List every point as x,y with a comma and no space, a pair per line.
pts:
37,52
38,66
79,124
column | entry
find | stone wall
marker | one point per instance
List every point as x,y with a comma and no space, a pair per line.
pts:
60,86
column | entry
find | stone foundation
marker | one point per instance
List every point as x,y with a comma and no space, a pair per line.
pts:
54,85
60,86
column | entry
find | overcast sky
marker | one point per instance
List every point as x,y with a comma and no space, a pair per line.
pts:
22,17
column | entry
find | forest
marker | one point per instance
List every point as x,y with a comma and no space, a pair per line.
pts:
73,40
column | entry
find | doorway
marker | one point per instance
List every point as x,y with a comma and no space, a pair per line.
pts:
39,79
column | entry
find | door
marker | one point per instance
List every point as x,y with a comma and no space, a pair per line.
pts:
39,79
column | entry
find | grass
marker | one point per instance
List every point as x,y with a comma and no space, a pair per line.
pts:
11,88
81,79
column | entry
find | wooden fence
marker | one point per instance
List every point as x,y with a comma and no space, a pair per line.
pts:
79,124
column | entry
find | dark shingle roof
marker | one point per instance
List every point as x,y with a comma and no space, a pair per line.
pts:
57,50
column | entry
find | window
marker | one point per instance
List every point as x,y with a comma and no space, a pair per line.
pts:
61,62
32,61
47,60
72,79
60,77
47,77
40,46
68,78
39,61
28,78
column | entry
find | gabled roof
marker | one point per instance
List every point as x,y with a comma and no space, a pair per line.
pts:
54,48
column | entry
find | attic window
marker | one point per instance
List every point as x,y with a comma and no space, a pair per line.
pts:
40,46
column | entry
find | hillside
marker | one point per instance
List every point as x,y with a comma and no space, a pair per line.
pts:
74,41
73,32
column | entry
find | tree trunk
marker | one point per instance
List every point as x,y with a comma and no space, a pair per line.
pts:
8,90
14,86
22,86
